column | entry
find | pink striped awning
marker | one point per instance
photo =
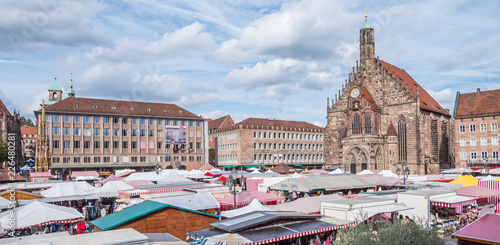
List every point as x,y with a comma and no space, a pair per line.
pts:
305,233
453,205
493,185
246,197
84,173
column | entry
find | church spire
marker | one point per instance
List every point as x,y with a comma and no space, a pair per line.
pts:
366,42
71,92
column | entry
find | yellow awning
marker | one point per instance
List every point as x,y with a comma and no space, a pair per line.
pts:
466,180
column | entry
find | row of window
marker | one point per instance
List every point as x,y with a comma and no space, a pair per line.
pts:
227,136
87,144
124,120
483,127
30,136
473,155
227,147
293,136
484,141
287,158
124,159
232,158
107,132
286,146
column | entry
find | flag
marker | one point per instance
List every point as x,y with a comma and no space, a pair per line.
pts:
166,156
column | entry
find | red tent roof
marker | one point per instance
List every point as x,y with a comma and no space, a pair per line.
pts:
110,178
84,173
482,231
477,191
317,171
40,174
207,167
247,197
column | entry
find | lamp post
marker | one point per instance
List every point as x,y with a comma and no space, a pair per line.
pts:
158,169
232,181
486,167
405,172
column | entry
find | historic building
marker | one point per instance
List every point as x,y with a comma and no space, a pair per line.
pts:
256,142
381,118
213,125
29,136
10,133
103,135
476,129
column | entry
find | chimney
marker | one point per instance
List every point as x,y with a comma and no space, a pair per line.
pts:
478,91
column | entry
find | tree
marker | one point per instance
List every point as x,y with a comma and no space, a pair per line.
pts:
396,233
29,123
4,152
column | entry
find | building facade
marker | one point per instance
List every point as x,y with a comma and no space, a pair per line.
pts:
103,135
10,133
29,136
476,129
382,118
255,142
213,125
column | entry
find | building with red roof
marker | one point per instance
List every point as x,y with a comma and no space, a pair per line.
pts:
382,118
259,142
476,129
29,136
105,135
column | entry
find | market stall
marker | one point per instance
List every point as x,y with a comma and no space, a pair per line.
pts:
244,198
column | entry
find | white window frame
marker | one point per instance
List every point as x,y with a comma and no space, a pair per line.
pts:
484,140
472,128
473,142
494,126
463,142
483,127
463,155
461,128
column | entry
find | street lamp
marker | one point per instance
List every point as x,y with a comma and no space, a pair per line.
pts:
158,169
405,171
232,181
486,167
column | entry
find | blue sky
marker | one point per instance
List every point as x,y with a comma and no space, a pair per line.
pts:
262,58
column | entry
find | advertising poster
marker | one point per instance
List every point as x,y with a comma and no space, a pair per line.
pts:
175,135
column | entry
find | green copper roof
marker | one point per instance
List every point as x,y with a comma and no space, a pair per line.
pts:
366,26
55,87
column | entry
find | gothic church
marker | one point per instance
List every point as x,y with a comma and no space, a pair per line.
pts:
382,118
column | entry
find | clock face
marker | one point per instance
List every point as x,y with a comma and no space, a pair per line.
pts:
355,93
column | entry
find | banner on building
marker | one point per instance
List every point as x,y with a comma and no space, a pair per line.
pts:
175,135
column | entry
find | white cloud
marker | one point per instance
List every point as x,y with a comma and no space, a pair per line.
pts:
32,25
304,30
186,41
445,97
215,114
273,72
319,124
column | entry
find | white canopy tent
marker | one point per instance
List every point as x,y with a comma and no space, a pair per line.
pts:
365,172
388,173
199,201
174,178
152,176
114,186
337,171
65,189
37,213
255,205
488,178
4,203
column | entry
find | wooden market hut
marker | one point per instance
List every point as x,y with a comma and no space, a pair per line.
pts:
155,217
19,195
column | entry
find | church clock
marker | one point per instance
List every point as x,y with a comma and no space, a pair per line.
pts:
355,93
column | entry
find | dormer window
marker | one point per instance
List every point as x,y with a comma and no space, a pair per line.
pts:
180,111
114,107
149,110
95,107
131,108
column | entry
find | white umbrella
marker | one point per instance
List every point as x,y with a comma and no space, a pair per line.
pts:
37,213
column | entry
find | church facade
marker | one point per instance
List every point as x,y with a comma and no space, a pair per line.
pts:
382,118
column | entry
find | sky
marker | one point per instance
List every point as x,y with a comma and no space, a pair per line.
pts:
259,58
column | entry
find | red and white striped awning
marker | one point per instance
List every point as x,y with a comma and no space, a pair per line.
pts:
138,192
69,221
453,205
305,233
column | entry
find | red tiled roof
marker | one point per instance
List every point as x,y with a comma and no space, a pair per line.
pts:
25,130
278,123
119,107
426,101
368,97
391,131
486,103
3,109
216,123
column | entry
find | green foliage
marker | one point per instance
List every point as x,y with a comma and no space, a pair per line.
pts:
29,123
396,233
4,152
